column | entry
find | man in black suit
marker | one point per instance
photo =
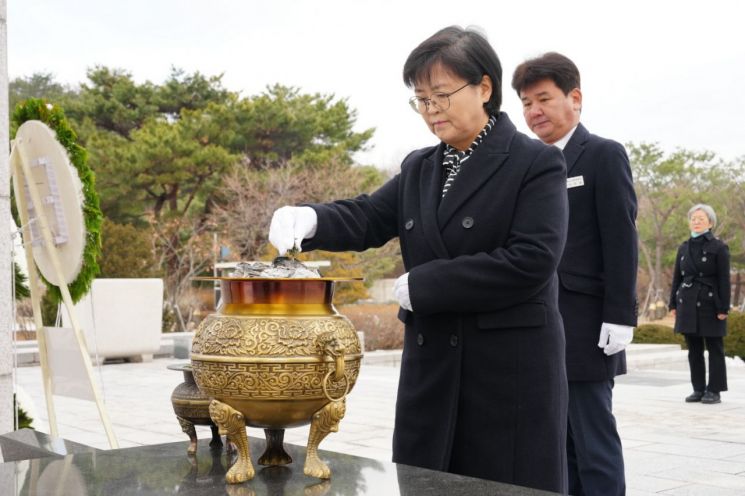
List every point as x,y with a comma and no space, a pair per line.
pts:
597,272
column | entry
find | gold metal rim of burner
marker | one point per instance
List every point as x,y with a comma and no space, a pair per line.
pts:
275,279
181,402
291,310
254,359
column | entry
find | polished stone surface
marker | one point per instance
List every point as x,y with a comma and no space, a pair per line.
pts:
670,447
167,469
25,444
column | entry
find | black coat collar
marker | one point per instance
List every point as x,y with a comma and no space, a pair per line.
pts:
708,236
485,161
575,146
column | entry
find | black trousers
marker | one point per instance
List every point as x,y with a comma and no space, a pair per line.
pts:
594,452
717,368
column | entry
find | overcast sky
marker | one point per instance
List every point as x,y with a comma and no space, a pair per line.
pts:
670,72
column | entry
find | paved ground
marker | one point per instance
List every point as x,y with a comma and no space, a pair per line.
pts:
671,447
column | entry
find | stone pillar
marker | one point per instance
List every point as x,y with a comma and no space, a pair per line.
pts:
6,352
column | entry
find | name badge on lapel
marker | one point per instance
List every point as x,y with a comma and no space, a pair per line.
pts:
573,182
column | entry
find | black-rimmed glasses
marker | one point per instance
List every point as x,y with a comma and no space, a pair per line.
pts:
439,100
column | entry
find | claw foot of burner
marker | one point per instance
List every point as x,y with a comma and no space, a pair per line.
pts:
188,428
275,453
232,423
216,442
324,421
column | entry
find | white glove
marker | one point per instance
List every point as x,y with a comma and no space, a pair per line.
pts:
290,226
615,337
401,292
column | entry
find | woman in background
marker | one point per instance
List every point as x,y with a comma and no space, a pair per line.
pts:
699,300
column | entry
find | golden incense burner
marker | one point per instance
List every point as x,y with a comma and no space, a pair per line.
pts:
276,354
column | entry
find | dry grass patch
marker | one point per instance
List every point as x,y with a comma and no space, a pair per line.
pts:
379,322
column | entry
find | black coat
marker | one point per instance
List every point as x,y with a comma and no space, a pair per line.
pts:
483,387
598,268
701,287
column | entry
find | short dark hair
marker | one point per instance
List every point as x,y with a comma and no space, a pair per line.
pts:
554,66
465,52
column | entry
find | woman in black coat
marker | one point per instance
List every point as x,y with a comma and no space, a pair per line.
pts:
699,301
481,218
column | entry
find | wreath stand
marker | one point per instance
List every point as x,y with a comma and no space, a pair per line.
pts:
50,216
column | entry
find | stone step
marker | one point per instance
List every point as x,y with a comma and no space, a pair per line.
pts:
638,356
172,344
387,358
643,348
656,356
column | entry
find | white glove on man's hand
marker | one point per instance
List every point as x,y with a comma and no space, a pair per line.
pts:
401,292
290,226
615,337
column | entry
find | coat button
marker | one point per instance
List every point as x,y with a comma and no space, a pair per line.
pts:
683,257
683,272
419,339
698,303
703,259
711,294
701,274
680,301
453,340
467,222
409,224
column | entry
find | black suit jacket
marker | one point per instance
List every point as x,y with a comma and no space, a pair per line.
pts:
483,378
598,268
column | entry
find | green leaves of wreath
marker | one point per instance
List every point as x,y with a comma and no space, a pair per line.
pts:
54,117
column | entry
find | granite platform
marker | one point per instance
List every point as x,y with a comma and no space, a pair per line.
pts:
164,469
25,444
671,448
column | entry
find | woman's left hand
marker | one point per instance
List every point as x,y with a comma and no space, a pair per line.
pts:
401,292
721,316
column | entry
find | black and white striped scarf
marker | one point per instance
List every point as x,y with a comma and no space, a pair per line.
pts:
453,159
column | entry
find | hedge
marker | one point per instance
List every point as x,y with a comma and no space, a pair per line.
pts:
734,342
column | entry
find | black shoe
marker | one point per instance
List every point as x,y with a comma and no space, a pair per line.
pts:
710,398
696,396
